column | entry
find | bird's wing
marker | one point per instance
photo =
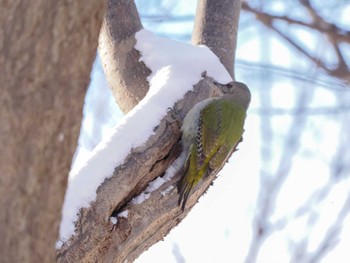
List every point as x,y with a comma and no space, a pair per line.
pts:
210,127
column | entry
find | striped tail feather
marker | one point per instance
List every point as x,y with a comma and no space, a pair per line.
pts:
184,188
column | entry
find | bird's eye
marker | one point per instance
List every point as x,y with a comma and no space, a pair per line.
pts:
226,88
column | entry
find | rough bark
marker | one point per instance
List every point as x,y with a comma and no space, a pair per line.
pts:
216,26
46,53
126,75
96,239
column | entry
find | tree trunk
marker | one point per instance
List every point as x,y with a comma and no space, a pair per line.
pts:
47,51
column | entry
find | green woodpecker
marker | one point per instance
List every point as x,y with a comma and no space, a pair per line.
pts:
210,132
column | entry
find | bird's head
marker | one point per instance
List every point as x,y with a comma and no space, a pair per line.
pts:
237,91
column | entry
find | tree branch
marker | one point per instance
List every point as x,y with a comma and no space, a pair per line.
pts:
335,35
216,26
96,239
125,74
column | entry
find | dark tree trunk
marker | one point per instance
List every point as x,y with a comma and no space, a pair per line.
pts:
47,48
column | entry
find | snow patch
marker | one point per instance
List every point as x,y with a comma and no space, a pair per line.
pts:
167,191
140,198
113,220
124,214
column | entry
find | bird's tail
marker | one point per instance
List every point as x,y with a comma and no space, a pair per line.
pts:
184,188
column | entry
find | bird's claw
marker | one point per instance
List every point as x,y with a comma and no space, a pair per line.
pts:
173,116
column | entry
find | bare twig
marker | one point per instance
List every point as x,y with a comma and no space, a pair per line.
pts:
339,34
334,34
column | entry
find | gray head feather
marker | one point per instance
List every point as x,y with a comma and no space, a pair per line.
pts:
239,92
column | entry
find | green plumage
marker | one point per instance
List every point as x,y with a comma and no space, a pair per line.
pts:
211,130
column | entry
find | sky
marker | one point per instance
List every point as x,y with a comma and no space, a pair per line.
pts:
220,227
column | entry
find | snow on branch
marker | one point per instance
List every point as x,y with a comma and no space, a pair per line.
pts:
100,217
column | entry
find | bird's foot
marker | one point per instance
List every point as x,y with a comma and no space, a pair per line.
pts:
173,116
